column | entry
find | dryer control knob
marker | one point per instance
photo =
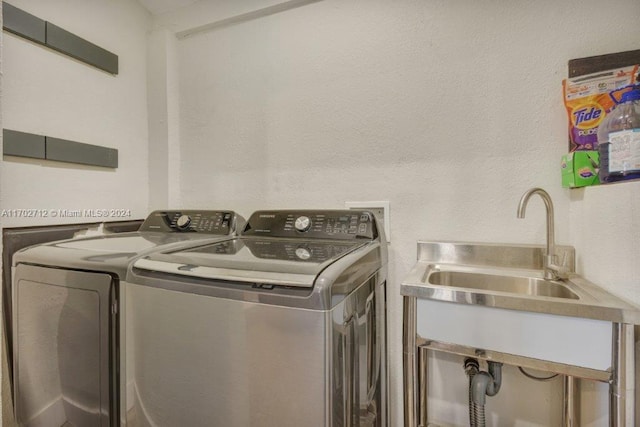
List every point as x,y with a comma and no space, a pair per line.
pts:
183,222
303,223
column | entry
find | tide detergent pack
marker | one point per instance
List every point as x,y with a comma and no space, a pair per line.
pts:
587,101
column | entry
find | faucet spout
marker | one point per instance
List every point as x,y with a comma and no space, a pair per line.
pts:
551,269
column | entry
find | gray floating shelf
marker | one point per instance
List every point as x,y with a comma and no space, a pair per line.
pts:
76,152
23,144
30,27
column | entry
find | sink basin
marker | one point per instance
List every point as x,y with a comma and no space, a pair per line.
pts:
490,282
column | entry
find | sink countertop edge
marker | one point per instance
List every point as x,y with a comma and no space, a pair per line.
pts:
593,303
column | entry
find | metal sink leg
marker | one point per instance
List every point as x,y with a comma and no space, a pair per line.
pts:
571,402
414,370
423,386
410,368
622,386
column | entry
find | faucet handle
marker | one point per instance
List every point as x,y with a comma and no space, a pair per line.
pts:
565,260
560,271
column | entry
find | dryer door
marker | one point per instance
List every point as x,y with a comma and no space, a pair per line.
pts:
64,336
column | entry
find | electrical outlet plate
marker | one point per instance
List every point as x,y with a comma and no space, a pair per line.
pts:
379,208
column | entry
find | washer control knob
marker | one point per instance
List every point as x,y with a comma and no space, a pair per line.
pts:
303,223
303,254
183,222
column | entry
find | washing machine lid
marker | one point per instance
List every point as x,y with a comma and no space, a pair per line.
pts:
136,242
114,252
268,261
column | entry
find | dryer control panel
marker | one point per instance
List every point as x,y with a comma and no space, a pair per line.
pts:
194,221
326,224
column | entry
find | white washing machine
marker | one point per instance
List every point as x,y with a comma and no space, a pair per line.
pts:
68,326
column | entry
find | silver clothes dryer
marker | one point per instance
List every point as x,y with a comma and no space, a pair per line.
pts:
68,322
282,326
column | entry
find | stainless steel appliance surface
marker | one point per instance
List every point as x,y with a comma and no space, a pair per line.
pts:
68,323
282,326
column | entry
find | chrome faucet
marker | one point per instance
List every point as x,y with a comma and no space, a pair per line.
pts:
552,271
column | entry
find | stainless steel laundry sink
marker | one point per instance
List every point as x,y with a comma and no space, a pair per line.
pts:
521,285
497,302
510,276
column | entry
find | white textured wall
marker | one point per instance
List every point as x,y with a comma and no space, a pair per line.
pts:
164,124
605,229
448,109
50,94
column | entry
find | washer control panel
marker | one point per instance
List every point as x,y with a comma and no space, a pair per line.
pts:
312,252
194,221
327,224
